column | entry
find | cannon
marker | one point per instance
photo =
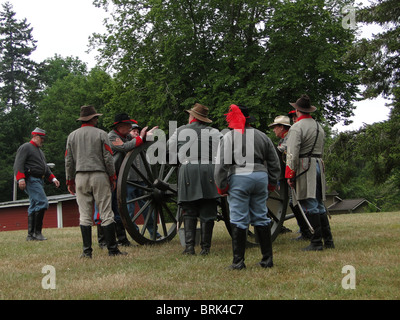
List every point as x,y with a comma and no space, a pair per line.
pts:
152,215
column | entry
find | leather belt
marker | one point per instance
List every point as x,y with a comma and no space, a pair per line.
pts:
313,155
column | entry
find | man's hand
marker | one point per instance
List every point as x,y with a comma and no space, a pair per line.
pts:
150,133
71,189
143,133
117,142
291,183
56,182
22,184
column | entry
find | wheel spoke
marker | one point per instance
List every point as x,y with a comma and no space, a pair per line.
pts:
272,216
146,196
174,219
137,215
136,185
146,220
161,172
170,172
146,166
163,223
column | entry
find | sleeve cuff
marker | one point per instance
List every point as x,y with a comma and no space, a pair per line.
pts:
113,178
289,173
223,191
20,176
139,141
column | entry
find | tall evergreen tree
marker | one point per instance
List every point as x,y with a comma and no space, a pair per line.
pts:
17,70
18,91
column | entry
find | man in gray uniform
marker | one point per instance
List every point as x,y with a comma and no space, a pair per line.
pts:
90,173
247,169
30,168
305,171
195,144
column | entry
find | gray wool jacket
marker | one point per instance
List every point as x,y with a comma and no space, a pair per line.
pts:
250,152
88,149
194,147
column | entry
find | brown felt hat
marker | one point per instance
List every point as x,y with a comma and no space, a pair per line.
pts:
200,112
87,113
303,104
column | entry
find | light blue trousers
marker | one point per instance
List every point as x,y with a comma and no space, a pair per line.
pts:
248,194
37,197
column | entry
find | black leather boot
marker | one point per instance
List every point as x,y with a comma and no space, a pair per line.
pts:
239,237
206,236
39,215
122,239
316,238
112,246
264,238
326,232
189,224
31,227
86,232
100,237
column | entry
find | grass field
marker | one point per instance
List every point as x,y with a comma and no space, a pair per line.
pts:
368,242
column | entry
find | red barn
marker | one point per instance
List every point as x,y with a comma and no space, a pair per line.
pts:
62,212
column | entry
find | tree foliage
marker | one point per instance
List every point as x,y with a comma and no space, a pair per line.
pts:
167,55
18,90
366,163
380,55
71,86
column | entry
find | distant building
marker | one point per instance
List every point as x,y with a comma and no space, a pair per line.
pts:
336,205
62,212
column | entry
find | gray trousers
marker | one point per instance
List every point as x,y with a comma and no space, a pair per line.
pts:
93,187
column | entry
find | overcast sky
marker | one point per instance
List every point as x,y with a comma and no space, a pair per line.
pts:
64,26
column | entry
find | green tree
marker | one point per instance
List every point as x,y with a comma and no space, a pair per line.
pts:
70,87
365,163
17,71
167,55
18,92
380,55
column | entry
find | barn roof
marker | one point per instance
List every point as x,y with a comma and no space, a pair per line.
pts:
24,202
347,204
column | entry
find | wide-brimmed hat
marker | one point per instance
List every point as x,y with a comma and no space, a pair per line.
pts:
38,132
87,113
122,118
303,104
281,120
200,112
246,113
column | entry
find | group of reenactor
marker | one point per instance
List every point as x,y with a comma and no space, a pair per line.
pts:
242,165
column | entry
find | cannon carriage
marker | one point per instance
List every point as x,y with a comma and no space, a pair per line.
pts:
152,214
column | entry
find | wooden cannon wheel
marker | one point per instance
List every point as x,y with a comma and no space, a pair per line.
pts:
153,206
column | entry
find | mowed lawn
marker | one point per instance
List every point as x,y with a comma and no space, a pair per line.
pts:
368,244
